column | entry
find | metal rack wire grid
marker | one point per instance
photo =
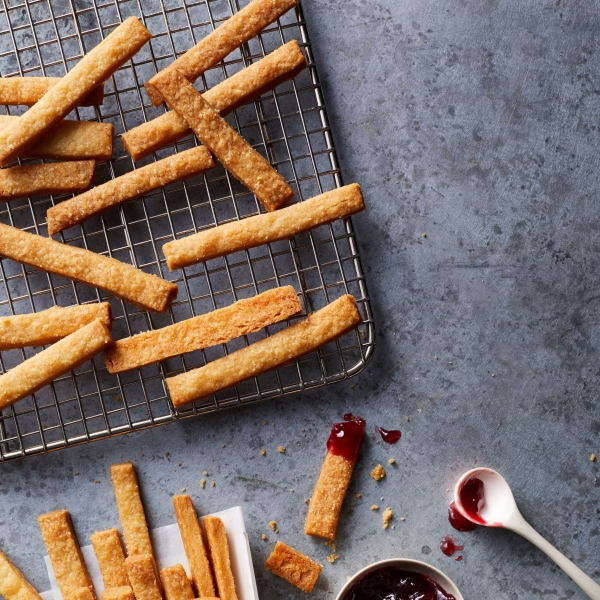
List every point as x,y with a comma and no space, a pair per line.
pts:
289,126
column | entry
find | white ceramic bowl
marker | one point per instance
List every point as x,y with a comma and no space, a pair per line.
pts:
408,565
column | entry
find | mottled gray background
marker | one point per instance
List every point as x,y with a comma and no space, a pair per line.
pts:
477,123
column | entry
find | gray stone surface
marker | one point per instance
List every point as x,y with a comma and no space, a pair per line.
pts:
477,123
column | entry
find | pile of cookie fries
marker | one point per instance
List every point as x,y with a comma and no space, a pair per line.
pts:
78,333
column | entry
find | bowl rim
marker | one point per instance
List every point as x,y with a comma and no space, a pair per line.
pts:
415,565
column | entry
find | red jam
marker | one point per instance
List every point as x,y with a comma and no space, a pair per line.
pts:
448,546
346,438
472,498
389,436
458,521
393,583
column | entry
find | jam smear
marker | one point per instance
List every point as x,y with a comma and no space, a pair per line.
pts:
448,546
346,438
458,558
394,583
473,499
459,522
389,436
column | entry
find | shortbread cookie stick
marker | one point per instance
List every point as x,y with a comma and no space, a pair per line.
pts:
111,558
80,594
143,576
219,554
326,502
49,178
71,140
51,325
60,358
217,327
13,586
194,546
262,229
176,584
130,185
26,91
124,281
318,328
239,89
131,510
64,552
293,566
236,155
239,28
118,593
62,98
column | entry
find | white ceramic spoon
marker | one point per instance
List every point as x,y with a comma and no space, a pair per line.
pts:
500,510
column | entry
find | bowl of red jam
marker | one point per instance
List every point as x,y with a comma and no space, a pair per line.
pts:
400,579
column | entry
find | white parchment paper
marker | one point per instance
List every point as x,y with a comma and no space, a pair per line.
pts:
168,549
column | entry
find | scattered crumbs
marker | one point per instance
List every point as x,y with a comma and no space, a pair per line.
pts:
264,537
374,507
377,473
402,519
392,461
202,483
222,445
167,453
212,484
305,501
407,419
281,449
263,452
387,516
424,235
449,362
331,544
352,387
393,527
96,481
332,558
593,457
142,454
303,429
265,422
183,489
358,495
205,473
292,489
493,374
273,526
447,489
436,357
382,499
77,472
178,464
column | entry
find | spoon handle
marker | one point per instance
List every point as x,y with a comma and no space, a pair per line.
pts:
585,582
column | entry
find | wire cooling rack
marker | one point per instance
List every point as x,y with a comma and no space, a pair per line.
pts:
289,126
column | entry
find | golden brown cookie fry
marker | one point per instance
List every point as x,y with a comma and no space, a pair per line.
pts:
27,91
13,586
64,552
49,364
262,229
119,593
293,566
219,555
130,185
239,89
320,327
124,281
49,178
194,546
176,584
49,326
239,28
236,155
217,327
94,68
143,576
71,140
111,558
81,594
131,510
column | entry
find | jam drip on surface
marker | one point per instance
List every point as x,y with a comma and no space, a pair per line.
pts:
448,546
393,583
389,436
473,499
346,438
458,521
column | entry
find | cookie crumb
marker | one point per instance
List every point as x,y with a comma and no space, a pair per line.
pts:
407,419
358,495
183,489
167,453
96,481
202,483
374,507
377,473
273,526
305,501
436,357
264,537
265,422
303,429
332,558
292,489
76,473
593,457
392,461
222,445
424,235
178,464
263,452
205,473
402,519
387,515
212,484
281,449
